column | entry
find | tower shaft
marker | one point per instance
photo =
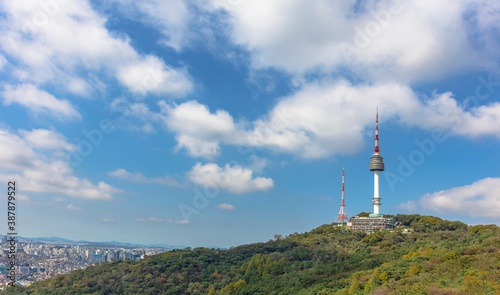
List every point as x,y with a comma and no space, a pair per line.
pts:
376,192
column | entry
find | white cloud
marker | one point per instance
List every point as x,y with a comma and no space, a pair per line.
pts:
47,173
152,75
3,62
138,177
409,206
235,179
108,220
135,116
197,129
70,44
479,199
16,154
46,139
26,200
409,40
73,207
39,101
327,118
225,206
182,221
170,17
317,121
56,177
257,163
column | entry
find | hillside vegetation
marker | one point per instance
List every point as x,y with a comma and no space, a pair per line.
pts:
438,257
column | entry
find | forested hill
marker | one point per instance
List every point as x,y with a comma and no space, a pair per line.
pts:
439,257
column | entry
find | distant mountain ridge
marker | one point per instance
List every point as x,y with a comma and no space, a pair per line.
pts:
59,239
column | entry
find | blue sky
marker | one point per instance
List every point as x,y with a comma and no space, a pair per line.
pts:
225,122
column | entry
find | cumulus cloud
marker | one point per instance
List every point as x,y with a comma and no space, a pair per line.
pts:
57,177
172,18
479,199
152,75
3,62
39,101
409,206
46,139
409,40
197,129
140,178
23,158
225,206
235,179
71,44
327,118
16,154
26,200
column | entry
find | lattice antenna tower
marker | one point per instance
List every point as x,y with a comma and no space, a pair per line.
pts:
342,214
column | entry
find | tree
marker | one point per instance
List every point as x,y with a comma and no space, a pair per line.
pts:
413,271
355,285
384,277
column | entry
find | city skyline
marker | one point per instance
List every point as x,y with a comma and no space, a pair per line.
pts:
227,122
38,260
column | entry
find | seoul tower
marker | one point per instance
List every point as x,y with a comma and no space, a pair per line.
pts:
342,214
376,165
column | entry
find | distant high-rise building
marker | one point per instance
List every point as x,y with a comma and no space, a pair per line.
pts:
111,256
123,255
24,269
97,258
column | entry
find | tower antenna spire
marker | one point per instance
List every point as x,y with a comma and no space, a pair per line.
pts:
377,150
342,214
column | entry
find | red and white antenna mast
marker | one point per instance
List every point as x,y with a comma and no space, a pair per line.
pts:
377,150
342,214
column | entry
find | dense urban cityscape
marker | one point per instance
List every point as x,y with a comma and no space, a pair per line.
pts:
38,259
